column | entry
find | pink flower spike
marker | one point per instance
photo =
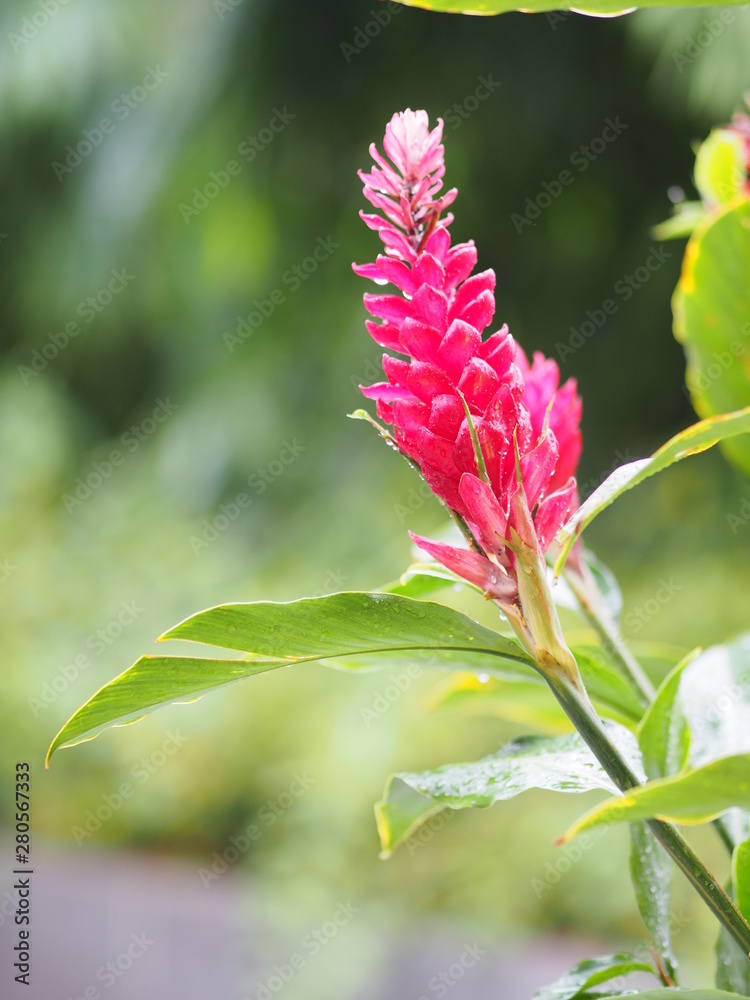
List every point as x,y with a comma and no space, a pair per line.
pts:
460,406
469,566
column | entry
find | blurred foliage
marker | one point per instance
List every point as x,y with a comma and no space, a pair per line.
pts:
336,516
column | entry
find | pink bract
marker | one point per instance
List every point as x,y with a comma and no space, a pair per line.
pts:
454,388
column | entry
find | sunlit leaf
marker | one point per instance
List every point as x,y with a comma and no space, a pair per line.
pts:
600,8
651,871
664,732
694,796
592,972
732,966
352,630
559,764
693,440
712,318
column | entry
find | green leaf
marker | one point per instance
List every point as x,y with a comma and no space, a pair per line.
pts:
425,579
606,584
687,216
605,685
664,739
715,696
591,972
720,172
741,877
651,871
528,703
732,966
664,733
694,796
693,440
711,308
667,994
601,8
532,703
352,630
349,626
151,682
559,764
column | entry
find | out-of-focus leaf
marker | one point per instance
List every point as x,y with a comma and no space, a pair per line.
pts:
692,797
664,733
592,972
720,172
687,216
350,630
529,702
711,308
732,966
425,579
607,585
668,994
693,440
558,764
601,8
651,871
605,685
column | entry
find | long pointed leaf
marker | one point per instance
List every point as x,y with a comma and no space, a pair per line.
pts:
349,630
693,440
558,764
695,796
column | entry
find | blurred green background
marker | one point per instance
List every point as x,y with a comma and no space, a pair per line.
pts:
291,94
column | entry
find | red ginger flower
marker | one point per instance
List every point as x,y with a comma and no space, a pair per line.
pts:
461,406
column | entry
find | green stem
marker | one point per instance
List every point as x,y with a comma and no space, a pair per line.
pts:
579,710
587,595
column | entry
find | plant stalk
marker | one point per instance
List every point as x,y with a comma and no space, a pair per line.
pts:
587,595
581,713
